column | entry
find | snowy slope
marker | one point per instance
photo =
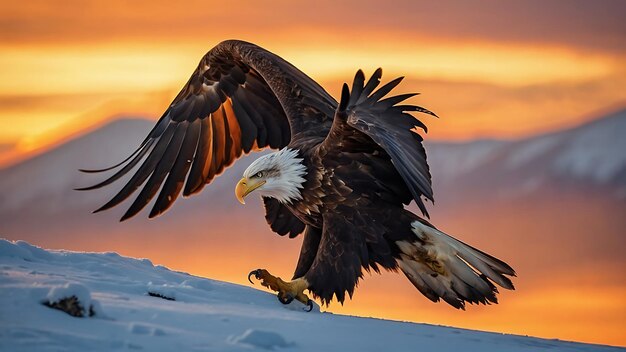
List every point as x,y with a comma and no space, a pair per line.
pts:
206,314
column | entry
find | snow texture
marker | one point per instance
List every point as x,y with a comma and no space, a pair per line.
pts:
82,294
260,338
449,160
597,152
207,315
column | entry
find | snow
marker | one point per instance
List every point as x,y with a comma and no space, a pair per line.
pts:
596,152
82,294
262,339
527,152
207,315
449,160
590,157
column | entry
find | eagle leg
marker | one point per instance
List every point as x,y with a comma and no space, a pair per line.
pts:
287,291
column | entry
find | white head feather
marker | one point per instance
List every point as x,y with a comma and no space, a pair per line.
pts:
283,172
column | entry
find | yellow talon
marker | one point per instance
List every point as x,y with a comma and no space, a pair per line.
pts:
287,291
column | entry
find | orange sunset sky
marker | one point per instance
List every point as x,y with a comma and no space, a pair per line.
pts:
489,69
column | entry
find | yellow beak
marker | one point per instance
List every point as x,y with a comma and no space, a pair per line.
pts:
245,187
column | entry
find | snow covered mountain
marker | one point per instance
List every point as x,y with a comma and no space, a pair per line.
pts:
198,314
590,157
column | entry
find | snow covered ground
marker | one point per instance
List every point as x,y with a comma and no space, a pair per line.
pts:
204,315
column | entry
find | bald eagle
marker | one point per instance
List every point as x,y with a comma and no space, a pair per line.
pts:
341,177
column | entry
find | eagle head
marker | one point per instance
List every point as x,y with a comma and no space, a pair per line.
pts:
277,175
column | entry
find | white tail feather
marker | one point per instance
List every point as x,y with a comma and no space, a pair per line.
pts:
441,266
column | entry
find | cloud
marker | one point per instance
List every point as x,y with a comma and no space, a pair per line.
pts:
6,146
494,69
595,25
470,110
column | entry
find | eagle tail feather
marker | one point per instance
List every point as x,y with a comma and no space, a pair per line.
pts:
442,267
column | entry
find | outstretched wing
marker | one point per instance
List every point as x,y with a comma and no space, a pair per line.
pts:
363,115
240,98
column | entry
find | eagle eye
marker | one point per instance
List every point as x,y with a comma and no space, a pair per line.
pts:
259,174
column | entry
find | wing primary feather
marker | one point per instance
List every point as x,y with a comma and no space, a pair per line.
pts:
420,181
234,131
202,158
371,84
248,128
274,132
95,171
357,87
219,144
160,172
144,170
384,90
345,98
209,169
154,133
391,101
228,133
123,171
244,101
176,178
418,123
414,108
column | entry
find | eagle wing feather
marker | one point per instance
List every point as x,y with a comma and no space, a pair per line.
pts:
240,98
389,126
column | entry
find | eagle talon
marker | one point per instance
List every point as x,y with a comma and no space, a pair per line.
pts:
286,299
287,291
256,275
309,305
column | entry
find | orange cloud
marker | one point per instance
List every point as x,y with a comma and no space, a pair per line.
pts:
480,90
588,25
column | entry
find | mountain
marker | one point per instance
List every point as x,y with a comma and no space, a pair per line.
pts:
590,157
53,174
126,301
